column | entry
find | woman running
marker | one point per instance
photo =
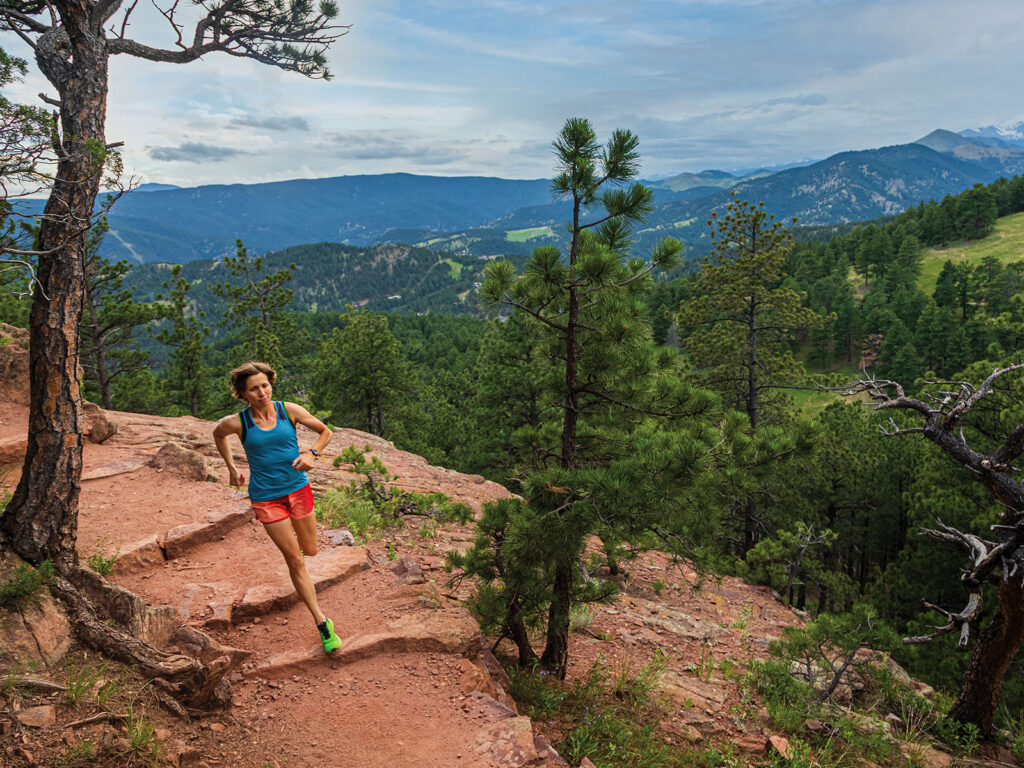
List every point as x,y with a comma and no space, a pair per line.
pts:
278,487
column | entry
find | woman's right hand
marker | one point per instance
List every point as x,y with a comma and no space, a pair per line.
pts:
237,479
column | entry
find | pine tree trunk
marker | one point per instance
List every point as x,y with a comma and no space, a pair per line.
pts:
993,653
556,650
102,377
41,520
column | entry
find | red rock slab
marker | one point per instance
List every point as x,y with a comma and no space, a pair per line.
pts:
435,632
179,540
327,568
117,467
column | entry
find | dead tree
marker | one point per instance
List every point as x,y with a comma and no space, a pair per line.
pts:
996,560
72,42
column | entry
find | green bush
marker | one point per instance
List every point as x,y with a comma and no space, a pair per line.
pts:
343,508
26,584
963,738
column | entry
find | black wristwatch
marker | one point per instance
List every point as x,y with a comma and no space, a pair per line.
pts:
315,453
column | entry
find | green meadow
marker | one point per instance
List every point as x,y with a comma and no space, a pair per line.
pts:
1006,243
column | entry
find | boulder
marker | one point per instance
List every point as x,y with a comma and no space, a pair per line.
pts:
98,424
41,632
179,460
507,743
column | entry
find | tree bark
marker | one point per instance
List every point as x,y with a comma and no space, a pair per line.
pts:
556,650
41,520
102,377
993,653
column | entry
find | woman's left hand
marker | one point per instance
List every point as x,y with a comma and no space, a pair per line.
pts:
301,464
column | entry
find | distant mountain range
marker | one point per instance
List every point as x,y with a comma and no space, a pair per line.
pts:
1005,135
475,217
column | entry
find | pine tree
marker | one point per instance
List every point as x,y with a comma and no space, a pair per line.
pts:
976,212
360,376
186,338
945,285
257,308
596,329
111,318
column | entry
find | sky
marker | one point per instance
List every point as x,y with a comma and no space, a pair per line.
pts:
481,87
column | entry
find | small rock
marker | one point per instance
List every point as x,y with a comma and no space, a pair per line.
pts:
341,537
217,727
38,717
781,746
585,763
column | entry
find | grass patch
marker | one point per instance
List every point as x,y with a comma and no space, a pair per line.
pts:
98,560
374,504
454,266
26,584
1005,243
522,235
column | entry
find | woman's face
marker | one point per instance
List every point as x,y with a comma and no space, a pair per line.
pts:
257,389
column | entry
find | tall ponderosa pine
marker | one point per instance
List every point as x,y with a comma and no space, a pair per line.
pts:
111,318
739,326
257,307
185,336
594,328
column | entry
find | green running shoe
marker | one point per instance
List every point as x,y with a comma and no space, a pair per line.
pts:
330,641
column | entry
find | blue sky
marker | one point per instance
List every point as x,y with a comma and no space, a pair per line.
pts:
481,87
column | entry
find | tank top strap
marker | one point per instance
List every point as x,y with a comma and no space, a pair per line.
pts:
245,417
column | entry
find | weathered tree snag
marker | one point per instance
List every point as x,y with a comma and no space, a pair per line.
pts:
998,562
994,651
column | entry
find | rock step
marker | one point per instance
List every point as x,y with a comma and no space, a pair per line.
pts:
433,632
154,549
329,567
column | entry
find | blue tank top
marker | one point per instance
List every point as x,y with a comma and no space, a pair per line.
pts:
270,453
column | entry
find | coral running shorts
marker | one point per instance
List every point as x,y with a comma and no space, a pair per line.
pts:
295,505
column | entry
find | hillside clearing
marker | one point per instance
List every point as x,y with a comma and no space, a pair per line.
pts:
1006,243
532,233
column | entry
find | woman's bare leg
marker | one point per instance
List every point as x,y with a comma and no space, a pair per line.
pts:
289,538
